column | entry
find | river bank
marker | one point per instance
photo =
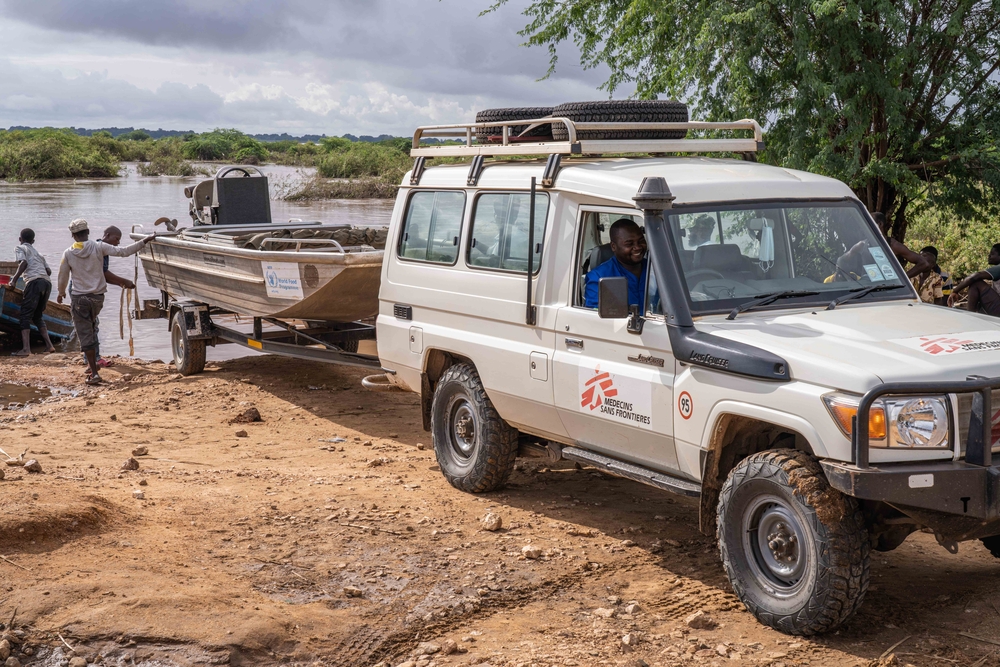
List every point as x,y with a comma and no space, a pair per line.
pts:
324,534
134,199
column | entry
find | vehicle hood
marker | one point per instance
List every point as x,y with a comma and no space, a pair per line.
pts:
857,346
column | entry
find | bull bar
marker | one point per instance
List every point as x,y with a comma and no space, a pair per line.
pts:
959,497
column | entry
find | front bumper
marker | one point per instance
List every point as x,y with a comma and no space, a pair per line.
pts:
959,499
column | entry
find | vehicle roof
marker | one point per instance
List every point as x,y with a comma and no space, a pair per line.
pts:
691,179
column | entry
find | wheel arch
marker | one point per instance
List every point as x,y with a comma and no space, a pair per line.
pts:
436,362
738,431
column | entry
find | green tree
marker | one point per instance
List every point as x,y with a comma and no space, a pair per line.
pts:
898,98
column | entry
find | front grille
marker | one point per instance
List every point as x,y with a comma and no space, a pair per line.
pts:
965,409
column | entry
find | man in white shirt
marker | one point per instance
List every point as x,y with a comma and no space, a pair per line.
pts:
35,295
85,261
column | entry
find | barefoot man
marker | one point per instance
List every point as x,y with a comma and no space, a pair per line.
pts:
37,288
84,260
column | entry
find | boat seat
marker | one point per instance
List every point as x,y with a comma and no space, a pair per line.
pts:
242,200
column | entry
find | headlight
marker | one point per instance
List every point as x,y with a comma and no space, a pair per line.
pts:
896,421
917,422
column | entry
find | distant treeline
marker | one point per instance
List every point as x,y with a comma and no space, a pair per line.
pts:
358,168
142,134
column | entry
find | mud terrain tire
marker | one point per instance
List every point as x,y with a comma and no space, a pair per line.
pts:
992,544
810,571
189,355
475,447
494,135
621,111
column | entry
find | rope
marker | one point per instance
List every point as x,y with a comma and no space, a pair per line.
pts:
124,310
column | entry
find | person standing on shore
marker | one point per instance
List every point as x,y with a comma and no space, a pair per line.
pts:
37,288
84,260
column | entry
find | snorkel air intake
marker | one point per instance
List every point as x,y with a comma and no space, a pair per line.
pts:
690,345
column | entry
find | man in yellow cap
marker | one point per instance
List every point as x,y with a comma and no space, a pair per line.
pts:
84,260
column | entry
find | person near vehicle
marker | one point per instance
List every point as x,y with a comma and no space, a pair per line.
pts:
112,235
628,244
983,296
701,230
930,284
904,254
35,295
84,261
946,284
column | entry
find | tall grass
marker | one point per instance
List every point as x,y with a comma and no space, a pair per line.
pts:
50,153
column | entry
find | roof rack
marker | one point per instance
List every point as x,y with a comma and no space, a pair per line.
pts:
511,146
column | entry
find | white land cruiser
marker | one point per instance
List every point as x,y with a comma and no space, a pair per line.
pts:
775,319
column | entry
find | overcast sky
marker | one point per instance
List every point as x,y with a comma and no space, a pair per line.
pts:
297,66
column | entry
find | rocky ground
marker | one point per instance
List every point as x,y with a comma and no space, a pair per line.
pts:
325,534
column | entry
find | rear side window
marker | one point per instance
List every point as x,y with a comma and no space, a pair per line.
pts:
433,226
500,231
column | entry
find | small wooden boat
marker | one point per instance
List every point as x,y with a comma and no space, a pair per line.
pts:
57,317
235,259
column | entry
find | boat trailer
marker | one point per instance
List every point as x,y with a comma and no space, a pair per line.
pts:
193,327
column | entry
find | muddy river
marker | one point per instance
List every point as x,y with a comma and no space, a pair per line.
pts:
48,207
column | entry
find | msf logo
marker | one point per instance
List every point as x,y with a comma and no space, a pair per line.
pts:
596,389
942,345
272,278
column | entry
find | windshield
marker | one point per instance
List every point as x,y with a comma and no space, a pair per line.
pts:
730,255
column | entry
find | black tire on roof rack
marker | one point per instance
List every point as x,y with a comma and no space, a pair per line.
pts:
495,134
621,111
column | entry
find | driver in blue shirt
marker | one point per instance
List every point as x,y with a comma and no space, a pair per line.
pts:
628,243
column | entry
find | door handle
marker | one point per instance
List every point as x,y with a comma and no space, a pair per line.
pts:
575,342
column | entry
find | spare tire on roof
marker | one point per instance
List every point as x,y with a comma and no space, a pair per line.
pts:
621,111
495,134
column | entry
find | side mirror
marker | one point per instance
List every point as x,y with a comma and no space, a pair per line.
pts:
612,298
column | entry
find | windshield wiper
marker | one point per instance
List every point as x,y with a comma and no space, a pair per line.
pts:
860,292
765,299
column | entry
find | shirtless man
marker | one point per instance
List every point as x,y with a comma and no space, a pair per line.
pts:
983,297
902,253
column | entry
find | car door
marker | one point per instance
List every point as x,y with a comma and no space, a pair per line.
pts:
613,389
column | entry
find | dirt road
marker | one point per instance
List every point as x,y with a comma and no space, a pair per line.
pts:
325,534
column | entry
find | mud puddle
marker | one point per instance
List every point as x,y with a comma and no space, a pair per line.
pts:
16,395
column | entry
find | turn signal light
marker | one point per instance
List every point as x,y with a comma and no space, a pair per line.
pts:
844,410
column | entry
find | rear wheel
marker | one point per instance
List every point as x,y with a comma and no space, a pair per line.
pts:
992,544
621,111
475,447
189,355
795,549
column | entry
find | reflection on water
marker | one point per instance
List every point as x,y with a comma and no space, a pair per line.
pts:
47,207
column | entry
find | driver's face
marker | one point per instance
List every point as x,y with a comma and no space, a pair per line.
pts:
629,247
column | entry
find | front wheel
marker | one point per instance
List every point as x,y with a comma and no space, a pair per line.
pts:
189,355
795,549
475,447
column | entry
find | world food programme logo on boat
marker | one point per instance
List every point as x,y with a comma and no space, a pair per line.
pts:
281,280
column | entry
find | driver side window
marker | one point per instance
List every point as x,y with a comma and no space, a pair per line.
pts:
594,247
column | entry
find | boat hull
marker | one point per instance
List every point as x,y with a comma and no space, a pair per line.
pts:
338,287
57,317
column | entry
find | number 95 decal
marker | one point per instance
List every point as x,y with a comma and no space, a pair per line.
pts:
685,405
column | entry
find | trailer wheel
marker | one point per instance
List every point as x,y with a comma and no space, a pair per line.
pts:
475,447
992,544
349,346
189,355
795,549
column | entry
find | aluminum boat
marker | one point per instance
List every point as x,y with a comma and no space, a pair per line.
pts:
234,258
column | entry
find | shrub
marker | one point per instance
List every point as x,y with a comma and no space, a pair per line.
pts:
50,153
364,159
224,145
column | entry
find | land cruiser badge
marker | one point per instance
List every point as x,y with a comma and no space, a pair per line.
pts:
616,397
